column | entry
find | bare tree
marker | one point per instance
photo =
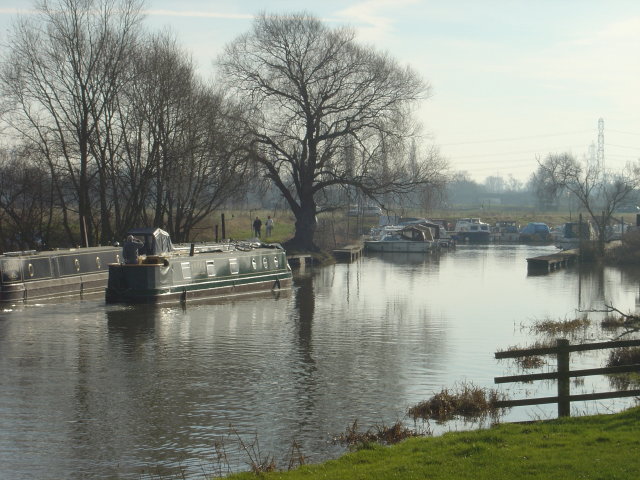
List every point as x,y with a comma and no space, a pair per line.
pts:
314,93
25,203
212,164
598,192
513,184
494,184
542,183
62,68
182,144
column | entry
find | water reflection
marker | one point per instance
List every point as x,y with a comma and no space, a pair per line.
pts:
106,391
408,258
303,316
131,324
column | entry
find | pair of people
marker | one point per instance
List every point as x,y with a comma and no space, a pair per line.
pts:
257,226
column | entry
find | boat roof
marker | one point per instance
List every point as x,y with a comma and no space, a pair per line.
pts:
146,231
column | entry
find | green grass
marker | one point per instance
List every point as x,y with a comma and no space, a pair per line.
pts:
239,225
603,447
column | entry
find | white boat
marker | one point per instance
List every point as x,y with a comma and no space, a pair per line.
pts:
441,237
472,230
401,238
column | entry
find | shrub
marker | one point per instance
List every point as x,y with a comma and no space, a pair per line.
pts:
468,402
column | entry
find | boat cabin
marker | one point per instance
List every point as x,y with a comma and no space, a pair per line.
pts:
156,241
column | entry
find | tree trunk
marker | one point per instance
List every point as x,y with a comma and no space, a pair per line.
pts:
305,231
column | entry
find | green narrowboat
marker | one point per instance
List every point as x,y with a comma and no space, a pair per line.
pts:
168,273
32,275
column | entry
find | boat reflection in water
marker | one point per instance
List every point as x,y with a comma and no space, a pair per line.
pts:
406,258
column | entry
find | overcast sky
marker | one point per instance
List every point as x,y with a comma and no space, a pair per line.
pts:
512,80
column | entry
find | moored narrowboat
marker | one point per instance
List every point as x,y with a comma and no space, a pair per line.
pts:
168,273
29,275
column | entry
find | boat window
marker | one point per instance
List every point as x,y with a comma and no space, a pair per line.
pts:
474,227
186,270
76,262
254,265
211,268
30,268
265,263
275,262
233,266
98,263
10,271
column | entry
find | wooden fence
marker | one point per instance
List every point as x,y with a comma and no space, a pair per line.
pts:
562,351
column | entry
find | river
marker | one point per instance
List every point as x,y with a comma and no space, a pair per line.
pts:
89,390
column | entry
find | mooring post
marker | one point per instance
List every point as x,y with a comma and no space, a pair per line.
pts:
564,404
580,238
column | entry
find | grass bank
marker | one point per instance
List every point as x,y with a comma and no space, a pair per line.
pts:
591,447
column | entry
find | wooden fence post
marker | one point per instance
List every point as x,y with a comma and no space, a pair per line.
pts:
564,404
563,374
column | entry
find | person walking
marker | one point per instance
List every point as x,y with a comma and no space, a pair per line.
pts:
257,225
269,225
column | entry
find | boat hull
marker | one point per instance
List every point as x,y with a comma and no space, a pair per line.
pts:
200,276
54,274
472,237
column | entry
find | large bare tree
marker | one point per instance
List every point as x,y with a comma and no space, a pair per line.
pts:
599,192
317,97
182,140
63,66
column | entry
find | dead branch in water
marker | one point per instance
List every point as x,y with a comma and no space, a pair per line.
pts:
631,322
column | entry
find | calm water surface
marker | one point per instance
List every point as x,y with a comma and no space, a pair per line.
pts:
89,390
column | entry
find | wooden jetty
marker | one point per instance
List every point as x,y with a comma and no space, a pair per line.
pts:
300,260
549,263
348,253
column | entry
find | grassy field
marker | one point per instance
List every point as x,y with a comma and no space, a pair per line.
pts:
593,447
239,225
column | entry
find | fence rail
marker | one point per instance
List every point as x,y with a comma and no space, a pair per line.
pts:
562,351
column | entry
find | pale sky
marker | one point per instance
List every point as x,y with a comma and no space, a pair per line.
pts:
512,80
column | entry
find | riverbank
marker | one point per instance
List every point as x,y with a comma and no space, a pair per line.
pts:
591,447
